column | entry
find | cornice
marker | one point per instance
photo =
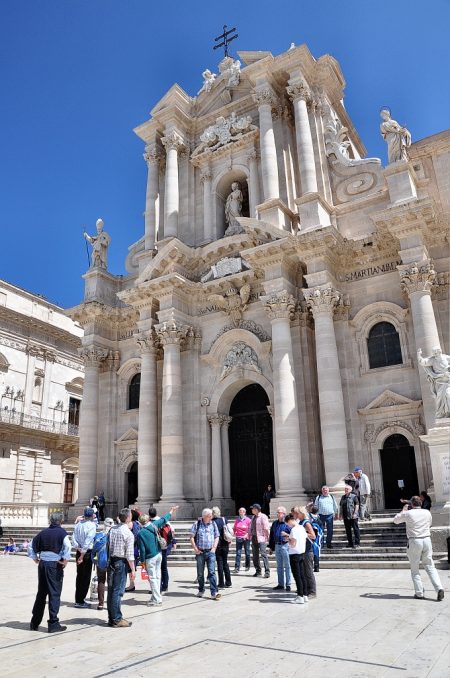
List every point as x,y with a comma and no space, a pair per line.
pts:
107,316
30,323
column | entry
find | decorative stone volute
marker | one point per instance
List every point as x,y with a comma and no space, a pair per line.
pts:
322,300
417,278
279,305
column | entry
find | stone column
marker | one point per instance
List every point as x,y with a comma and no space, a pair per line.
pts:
265,100
322,301
148,422
216,421
280,307
416,281
253,182
300,96
151,157
226,472
208,216
89,423
275,457
172,143
171,335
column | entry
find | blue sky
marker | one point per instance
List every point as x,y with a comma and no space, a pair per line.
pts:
77,75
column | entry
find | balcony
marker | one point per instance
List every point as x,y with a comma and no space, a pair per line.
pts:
38,423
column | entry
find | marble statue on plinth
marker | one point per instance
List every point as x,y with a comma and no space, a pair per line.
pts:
437,369
233,209
100,244
398,138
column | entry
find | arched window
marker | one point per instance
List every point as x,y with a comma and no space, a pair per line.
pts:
133,392
383,346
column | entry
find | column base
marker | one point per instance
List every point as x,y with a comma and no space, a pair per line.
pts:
277,213
144,503
185,508
314,212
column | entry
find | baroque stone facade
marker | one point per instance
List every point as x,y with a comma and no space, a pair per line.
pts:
41,386
298,361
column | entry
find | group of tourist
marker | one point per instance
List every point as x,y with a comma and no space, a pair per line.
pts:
295,537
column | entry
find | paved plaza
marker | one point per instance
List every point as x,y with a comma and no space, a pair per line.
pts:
363,623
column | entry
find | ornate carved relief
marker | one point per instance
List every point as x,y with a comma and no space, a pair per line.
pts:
93,355
265,97
279,305
172,140
240,356
248,325
233,302
172,332
223,132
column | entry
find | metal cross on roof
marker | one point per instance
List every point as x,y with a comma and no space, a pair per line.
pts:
225,39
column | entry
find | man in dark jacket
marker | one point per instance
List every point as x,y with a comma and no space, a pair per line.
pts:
349,511
50,550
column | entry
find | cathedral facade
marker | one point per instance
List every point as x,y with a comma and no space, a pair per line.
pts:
267,330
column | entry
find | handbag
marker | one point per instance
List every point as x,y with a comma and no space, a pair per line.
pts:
228,534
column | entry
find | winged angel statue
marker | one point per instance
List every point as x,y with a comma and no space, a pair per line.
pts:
234,303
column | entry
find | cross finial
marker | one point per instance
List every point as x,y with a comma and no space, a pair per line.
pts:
225,39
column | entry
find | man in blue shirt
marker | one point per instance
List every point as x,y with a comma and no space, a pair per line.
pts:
83,540
50,549
279,544
328,510
204,540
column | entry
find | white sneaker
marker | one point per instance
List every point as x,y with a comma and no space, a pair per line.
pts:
298,600
305,599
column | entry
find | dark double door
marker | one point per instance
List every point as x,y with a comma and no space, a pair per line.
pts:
398,463
251,450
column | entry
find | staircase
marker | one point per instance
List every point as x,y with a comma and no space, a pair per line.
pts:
383,545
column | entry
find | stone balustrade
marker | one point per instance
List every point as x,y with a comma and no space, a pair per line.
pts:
29,514
29,421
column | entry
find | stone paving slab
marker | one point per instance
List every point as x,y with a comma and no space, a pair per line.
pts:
362,624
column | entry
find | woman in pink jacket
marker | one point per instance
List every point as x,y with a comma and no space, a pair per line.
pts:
240,529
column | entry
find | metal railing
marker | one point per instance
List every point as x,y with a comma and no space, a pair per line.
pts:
29,421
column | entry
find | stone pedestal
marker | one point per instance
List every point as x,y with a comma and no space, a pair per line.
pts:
277,213
313,211
438,442
401,181
99,285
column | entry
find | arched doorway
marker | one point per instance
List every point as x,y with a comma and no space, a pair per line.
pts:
132,484
251,450
398,463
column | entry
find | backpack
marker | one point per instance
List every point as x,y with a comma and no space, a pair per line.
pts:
317,543
100,550
167,534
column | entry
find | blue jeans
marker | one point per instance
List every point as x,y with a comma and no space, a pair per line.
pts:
283,564
117,580
207,558
241,542
328,521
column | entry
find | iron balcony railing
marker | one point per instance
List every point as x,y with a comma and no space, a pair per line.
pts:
38,423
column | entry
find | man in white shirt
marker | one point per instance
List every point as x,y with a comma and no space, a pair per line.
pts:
418,523
364,493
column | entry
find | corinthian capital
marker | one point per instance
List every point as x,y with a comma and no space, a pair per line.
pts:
417,278
299,90
172,140
206,175
172,332
147,342
152,156
93,355
265,97
322,300
279,305
216,419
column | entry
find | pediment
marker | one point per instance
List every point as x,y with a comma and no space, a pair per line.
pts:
389,399
175,96
130,435
221,100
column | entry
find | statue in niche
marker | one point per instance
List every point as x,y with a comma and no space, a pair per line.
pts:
100,244
233,209
398,138
208,81
437,369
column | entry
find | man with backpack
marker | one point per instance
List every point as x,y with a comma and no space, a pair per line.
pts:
100,558
150,544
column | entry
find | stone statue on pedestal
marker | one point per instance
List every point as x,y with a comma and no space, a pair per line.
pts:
233,209
208,81
100,244
398,138
437,368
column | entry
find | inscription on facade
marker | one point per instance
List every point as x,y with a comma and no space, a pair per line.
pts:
370,271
